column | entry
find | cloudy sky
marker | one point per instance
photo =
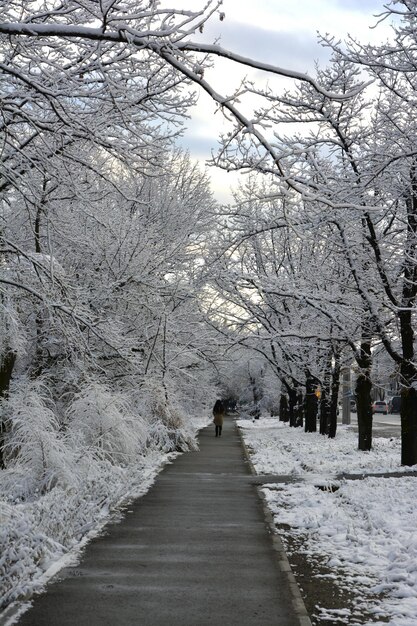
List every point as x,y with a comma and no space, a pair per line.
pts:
281,32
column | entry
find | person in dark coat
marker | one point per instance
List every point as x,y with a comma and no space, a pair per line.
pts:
218,414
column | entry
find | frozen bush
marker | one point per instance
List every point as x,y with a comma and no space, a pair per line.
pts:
102,423
34,444
169,431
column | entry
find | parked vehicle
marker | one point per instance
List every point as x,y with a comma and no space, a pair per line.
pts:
395,404
380,406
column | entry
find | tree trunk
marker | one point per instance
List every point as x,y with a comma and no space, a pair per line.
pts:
363,397
409,426
299,410
324,411
311,405
292,403
257,395
283,408
6,371
408,393
334,396
326,396
408,368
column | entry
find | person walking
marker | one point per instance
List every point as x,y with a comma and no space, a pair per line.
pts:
218,413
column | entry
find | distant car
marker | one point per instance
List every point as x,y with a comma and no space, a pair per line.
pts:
380,406
395,404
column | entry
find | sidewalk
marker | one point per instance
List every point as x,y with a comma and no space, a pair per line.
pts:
195,551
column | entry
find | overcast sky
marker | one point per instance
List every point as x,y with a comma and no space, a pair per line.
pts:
281,32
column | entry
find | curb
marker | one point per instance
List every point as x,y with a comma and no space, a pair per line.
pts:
281,556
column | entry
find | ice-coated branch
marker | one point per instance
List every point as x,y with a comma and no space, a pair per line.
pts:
156,41
216,50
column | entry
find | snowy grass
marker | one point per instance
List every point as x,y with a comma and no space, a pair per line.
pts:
364,530
278,449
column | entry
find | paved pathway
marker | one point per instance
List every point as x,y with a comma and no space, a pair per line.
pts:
194,551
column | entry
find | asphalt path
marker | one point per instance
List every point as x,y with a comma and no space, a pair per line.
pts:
196,550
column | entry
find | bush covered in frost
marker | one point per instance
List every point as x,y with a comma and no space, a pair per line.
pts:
168,431
102,424
35,447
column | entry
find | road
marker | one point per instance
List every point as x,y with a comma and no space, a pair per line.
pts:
383,425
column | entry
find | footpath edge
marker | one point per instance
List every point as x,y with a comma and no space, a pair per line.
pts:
279,550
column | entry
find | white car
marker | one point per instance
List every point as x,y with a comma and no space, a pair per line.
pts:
380,406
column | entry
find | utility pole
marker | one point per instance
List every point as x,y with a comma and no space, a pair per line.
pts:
346,396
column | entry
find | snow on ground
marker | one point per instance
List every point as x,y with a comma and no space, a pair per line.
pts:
278,449
365,530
